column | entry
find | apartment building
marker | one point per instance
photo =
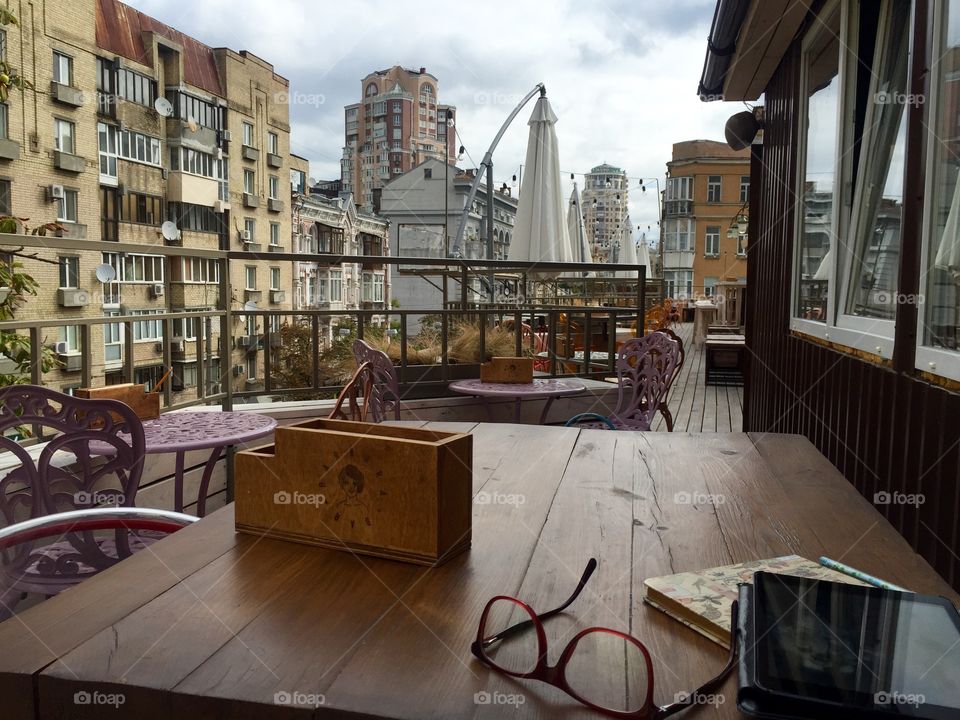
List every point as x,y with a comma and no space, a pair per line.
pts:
398,124
605,201
141,134
327,231
708,187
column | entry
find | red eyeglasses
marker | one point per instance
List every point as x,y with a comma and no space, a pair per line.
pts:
503,644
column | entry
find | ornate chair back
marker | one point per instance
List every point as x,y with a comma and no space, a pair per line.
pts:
383,396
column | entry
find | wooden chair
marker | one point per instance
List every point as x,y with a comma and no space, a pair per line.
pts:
93,456
681,356
646,366
385,390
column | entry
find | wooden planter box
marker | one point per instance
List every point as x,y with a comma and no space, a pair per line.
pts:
507,370
145,405
394,492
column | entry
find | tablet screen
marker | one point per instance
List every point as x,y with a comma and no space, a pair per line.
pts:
856,645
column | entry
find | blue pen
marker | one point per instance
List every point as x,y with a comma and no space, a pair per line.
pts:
859,575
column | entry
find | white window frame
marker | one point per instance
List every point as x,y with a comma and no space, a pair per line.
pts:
112,342
147,330
274,277
707,234
936,361
336,286
273,187
830,330
139,261
4,121
61,62
248,134
719,186
275,234
70,334
67,206
250,226
250,277
107,145
249,182
60,137
69,268
273,143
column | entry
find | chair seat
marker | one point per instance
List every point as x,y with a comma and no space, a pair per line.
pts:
36,580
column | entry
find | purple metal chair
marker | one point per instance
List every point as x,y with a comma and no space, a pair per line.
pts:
93,455
383,393
646,366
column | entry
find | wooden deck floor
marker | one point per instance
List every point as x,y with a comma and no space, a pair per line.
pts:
696,406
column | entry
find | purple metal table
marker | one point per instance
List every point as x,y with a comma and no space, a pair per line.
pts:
180,432
549,388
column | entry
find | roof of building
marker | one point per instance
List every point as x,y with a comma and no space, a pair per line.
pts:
607,169
120,28
707,150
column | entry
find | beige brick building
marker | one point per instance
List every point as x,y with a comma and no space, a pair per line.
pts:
133,124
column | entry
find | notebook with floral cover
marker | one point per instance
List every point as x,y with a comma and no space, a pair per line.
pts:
702,599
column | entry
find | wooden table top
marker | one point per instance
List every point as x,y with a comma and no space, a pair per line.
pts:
214,624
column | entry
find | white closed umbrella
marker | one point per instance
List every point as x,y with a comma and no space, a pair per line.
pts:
540,232
576,231
628,251
643,253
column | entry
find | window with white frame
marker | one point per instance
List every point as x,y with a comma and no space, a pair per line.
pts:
323,286
250,277
223,179
69,272
711,241
145,330
142,268
70,334
274,278
107,140
62,68
192,162
273,143
938,334
710,286
142,148
336,286
250,230
679,188
744,188
199,270
252,367
67,206
4,121
64,133
820,94
679,234
871,245
678,283
275,234
378,287
112,341
248,134
273,187
249,182
366,287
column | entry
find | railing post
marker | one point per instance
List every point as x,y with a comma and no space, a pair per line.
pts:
36,372
267,338
315,350
167,325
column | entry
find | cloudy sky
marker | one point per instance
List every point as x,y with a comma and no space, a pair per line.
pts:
621,75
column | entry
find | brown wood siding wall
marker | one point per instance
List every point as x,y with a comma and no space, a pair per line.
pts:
884,430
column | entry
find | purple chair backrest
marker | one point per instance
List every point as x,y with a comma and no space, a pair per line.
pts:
94,454
645,369
384,397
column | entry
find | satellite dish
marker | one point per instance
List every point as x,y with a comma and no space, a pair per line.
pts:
250,305
163,107
192,125
741,129
169,230
312,181
105,273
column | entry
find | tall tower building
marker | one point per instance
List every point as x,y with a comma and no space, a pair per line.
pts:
397,125
605,196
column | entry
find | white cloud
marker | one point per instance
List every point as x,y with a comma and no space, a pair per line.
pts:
621,74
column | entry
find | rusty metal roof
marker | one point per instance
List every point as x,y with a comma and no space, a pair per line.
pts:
119,31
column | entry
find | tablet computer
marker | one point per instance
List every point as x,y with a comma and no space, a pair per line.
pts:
823,649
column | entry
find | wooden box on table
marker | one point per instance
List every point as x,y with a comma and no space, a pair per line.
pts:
388,491
145,405
517,370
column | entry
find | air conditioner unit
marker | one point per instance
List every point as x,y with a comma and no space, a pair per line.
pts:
62,348
227,136
244,341
156,290
214,389
177,345
221,206
237,370
158,347
73,298
55,192
247,236
219,153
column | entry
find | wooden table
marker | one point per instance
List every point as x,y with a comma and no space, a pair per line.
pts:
214,624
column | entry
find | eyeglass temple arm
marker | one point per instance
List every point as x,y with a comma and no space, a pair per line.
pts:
710,686
521,626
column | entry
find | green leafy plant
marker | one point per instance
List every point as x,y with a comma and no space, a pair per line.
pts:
10,77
